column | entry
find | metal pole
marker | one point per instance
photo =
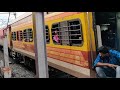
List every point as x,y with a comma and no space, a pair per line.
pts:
6,57
40,45
14,14
99,36
8,18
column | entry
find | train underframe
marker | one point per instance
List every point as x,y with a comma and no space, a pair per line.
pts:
19,58
30,63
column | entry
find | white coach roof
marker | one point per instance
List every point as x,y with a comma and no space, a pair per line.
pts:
30,13
21,17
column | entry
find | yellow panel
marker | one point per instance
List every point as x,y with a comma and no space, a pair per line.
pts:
91,32
80,16
18,28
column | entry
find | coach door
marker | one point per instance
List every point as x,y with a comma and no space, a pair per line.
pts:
102,30
106,31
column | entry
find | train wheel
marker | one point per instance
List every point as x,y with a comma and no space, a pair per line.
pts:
14,57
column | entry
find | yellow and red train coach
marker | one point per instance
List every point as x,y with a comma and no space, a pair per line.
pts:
72,53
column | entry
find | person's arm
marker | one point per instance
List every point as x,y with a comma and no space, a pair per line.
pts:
96,60
99,63
115,53
106,64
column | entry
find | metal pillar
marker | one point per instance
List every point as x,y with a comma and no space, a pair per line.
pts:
40,45
99,36
6,57
6,70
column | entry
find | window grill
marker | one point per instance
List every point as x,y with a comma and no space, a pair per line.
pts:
14,36
28,35
67,33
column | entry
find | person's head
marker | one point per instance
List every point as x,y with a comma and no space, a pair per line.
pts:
56,32
103,51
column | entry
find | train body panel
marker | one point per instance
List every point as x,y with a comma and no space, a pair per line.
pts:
69,68
77,55
72,58
21,26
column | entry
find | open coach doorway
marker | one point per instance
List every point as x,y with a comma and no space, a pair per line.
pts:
106,27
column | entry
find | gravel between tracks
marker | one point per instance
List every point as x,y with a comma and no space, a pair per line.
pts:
18,70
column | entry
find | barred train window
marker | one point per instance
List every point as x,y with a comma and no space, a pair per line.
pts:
67,33
28,35
19,36
14,36
75,34
47,34
56,33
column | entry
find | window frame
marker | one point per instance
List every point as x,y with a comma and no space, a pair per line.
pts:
60,35
48,34
27,37
81,31
59,32
15,36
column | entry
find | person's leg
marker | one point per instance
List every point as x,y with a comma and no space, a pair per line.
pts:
118,72
100,72
110,72
105,72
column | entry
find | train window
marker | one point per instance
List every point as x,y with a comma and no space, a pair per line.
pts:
47,34
67,33
28,35
14,36
56,33
19,35
75,32
25,34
